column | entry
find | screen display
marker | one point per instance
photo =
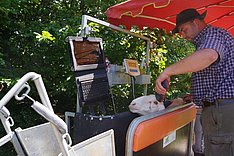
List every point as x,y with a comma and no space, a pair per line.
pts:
88,53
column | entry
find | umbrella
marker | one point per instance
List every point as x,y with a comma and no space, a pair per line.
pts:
162,13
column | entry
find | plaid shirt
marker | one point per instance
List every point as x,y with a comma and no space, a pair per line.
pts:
217,80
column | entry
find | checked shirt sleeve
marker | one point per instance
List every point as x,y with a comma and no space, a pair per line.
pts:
214,40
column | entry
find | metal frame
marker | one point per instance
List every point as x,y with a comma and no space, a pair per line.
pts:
85,30
21,84
50,138
90,39
45,110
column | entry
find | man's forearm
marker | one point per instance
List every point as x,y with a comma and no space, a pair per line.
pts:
195,62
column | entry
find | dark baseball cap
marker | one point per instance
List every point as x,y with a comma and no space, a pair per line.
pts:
187,15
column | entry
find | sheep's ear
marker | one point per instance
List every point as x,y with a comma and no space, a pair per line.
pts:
156,102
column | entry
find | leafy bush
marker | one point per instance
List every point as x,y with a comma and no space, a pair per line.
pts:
33,38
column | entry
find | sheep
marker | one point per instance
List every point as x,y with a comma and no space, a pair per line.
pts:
145,105
148,104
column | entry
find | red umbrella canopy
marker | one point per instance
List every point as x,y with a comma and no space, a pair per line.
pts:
162,13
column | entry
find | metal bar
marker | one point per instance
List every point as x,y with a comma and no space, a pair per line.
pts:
68,116
17,86
190,143
44,98
6,124
43,93
6,139
147,64
50,116
85,18
147,56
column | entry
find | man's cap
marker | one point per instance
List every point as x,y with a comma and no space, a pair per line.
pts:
187,15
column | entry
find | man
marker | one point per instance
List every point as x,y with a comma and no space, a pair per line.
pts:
212,65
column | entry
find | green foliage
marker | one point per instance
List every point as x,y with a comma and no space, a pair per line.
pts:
33,38
44,36
33,35
167,50
25,49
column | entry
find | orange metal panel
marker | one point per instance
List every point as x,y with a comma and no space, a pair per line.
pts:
153,130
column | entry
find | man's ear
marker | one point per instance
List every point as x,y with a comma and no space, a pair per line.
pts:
196,21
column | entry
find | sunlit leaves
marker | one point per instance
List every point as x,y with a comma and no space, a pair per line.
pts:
46,52
45,36
95,27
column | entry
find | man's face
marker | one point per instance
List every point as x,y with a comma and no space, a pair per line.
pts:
188,30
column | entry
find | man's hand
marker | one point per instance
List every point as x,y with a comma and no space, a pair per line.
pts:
158,83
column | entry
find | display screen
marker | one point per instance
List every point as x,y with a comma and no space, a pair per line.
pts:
88,53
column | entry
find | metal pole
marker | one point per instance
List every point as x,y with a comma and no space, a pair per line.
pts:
147,64
85,18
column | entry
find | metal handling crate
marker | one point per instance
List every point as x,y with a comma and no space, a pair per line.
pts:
51,138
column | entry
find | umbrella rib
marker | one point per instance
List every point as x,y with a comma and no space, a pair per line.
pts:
225,15
129,13
216,4
231,27
155,18
222,9
225,1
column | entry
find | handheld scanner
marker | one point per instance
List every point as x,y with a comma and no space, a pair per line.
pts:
161,97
